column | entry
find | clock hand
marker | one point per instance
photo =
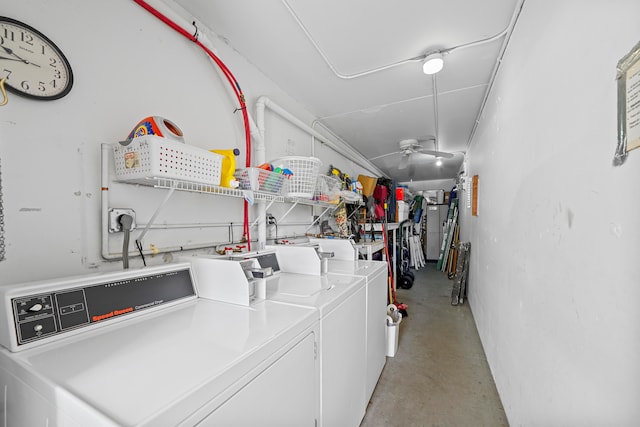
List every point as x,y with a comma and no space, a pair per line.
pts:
10,52
10,59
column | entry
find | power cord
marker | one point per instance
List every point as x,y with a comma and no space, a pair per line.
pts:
126,221
139,246
271,220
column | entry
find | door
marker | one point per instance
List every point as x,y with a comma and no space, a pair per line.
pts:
342,363
283,395
376,324
436,216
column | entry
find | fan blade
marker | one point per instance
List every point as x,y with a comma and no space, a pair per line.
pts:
441,154
404,161
385,155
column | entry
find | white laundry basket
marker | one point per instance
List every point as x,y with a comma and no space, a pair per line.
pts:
305,174
146,157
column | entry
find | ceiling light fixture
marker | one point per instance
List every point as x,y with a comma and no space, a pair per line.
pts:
439,161
433,63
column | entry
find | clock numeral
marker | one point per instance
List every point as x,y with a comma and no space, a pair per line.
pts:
53,62
9,35
7,73
57,74
53,84
25,85
27,38
42,86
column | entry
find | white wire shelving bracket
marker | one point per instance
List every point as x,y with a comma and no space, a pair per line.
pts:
173,184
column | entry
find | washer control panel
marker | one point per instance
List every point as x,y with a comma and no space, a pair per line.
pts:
34,317
41,315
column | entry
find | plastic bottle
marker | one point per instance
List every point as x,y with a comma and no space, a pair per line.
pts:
227,178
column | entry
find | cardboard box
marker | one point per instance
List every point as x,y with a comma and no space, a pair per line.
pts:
368,184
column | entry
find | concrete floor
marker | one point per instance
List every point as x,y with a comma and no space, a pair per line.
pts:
439,375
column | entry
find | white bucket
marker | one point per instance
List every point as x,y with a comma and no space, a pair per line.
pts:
392,339
393,331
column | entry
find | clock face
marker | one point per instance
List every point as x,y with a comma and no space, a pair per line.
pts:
32,65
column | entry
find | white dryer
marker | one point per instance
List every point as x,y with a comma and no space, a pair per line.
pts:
139,348
376,277
340,301
375,273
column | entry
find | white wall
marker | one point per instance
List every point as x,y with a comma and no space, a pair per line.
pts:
127,65
554,265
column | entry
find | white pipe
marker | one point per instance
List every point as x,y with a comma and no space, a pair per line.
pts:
264,102
259,154
434,85
173,11
352,152
476,42
383,67
330,65
189,225
494,73
104,200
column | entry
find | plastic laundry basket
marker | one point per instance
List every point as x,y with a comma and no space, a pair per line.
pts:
302,182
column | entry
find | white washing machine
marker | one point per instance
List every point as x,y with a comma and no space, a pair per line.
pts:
345,261
340,301
140,348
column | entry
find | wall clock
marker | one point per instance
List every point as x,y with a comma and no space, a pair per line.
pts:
31,64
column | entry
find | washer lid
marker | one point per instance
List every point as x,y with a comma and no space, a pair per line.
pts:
159,368
358,268
323,292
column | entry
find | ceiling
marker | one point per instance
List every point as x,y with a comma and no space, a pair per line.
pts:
357,66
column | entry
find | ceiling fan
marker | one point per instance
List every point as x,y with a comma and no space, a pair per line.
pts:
412,149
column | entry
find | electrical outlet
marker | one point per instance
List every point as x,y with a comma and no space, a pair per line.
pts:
114,219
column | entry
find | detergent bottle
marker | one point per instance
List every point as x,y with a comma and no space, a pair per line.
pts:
227,178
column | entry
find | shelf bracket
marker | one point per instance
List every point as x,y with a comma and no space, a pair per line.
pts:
289,211
155,214
265,209
318,219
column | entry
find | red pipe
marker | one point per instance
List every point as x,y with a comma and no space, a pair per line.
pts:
234,84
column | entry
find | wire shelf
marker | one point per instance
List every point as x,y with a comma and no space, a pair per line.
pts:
195,187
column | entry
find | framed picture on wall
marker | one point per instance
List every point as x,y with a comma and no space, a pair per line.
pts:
628,77
474,196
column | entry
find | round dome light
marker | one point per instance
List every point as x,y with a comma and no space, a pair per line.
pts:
433,63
